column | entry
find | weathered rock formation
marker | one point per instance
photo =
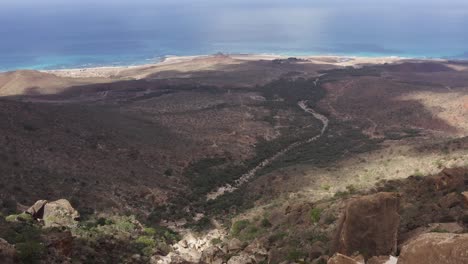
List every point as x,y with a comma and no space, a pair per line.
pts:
436,248
54,214
7,253
369,225
342,259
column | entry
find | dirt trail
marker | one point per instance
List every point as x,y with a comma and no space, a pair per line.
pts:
247,176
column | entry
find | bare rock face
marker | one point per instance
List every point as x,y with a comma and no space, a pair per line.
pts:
382,260
59,246
436,248
54,214
7,253
342,259
465,199
243,258
234,245
60,213
449,179
369,225
212,255
37,210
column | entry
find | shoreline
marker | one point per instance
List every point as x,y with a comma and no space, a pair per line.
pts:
167,61
170,62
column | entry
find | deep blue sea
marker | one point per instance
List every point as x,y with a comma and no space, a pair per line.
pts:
51,34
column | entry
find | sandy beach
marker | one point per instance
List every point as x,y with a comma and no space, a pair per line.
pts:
206,62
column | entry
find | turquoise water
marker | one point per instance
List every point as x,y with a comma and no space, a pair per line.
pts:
52,34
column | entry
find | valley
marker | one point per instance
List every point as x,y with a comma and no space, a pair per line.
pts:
234,159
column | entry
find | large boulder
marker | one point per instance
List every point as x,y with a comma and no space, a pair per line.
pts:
369,225
54,214
382,260
342,259
7,253
449,180
212,255
60,213
234,245
37,210
242,258
60,243
59,246
435,248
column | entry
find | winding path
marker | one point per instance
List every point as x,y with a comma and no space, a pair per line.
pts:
251,173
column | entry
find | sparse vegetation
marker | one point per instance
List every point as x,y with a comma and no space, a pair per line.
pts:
315,214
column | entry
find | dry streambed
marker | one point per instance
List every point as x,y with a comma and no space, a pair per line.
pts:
247,176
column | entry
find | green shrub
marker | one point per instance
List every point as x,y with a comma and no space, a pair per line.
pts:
330,219
295,255
11,218
201,225
276,237
23,217
22,232
315,215
439,230
351,189
341,194
168,172
125,224
30,251
216,241
149,231
418,173
314,236
238,226
265,223
326,187
146,241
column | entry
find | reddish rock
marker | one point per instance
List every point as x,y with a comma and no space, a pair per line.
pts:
449,179
342,259
436,248
369,225
450,200
7,253
59,244
465,199
379,260
316,250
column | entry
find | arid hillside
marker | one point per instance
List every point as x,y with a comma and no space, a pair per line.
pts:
227,152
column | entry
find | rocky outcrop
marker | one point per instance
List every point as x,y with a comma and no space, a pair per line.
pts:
436,248
54,214
37,210
369,225
382,260
465,199
342,259
60,213
243,258
59,246
7,253
449,180
234,245
213,255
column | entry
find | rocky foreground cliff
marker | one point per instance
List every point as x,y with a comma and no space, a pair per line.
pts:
422,219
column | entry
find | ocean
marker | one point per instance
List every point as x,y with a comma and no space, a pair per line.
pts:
53,34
